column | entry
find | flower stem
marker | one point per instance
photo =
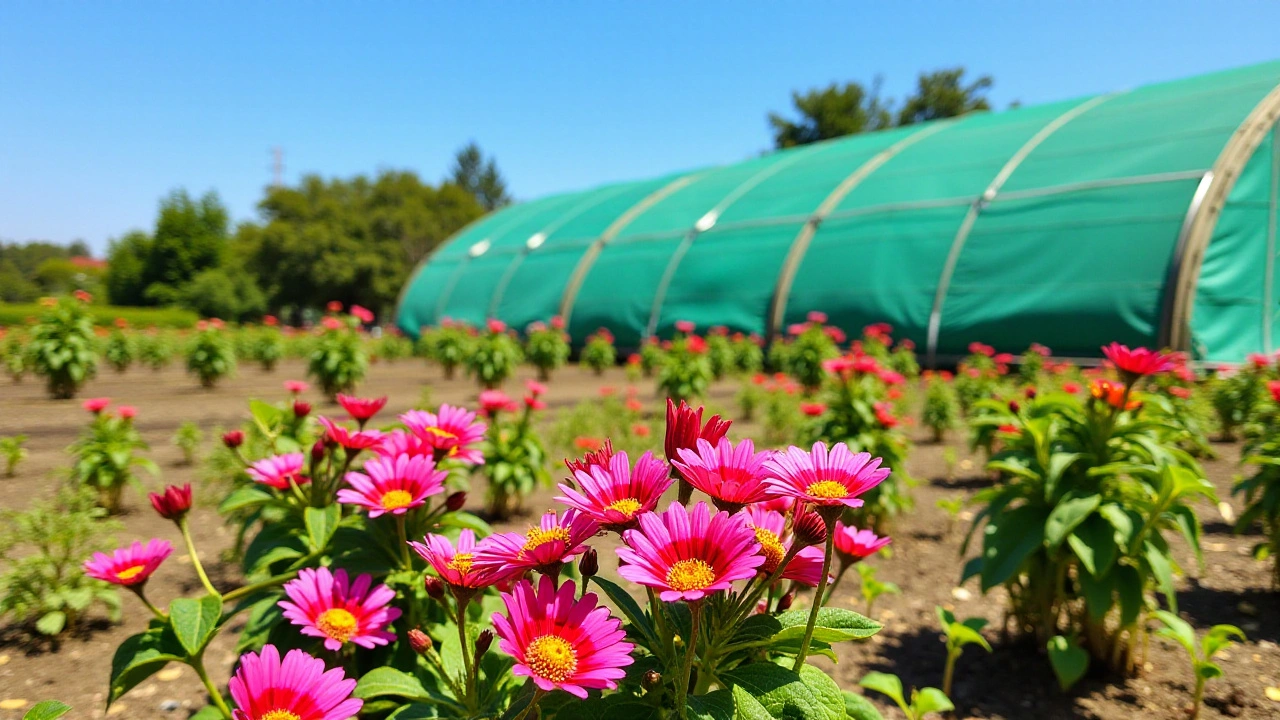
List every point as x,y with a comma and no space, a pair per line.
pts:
137,590
690,649
195,558
197,664
467,667
817,598
537,698
404,543
261,585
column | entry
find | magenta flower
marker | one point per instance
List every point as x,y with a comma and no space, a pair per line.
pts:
131,565
393,484
456,567
770,529
1138,362
96,405
689,554
277,470
361,409
453,432
493,402
732,476
559,642
853,544
400,442
299,688
296,387
544,548
822,477
327,607
350,441
615,495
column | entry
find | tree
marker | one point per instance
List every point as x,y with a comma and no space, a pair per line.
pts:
228,293
125,266
833,112
480,177
190,237
941,94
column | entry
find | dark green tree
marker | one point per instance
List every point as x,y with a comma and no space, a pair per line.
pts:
480,177
126,258
190,237
943,94
832,112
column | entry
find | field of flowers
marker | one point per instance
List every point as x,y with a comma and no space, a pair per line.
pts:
706,528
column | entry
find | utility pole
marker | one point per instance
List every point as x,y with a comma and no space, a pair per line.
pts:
277,166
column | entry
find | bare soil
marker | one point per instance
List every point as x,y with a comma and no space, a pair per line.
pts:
1014,682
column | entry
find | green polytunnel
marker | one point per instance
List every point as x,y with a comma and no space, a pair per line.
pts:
1146,216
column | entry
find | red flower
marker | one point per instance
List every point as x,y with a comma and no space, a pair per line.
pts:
174,503
812,409
1003,358
1112,393
1274,387
1009,429
128,412
685,427
1138,362
557,322
301,408
634,405
364,315
597,454
270,320
640,430
697,345
233,438
884,415
331,323
495,401
685,326
977,348
817,317
608,391
533,403
634,359
335,306
350,441
1180,392
361,409
589,444
1071,387
496,326
96,405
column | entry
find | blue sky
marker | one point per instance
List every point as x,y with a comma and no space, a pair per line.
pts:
106,106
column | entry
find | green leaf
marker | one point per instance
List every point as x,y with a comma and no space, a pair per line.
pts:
465,521
1066,516
384,681
811,694
52,623
1097,594
858,707
1069,661
628,606
321,523
244,497
834,625
1177,629
1128,583
142,655
931,700
712,706
747,707
208,712
1008,541
1162,570
885,684
195,621
613,707
47,710
1094,544
1208,670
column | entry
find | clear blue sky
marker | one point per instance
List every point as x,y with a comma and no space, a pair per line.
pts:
106,106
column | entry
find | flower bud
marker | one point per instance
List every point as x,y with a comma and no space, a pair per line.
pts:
301,408
419,641
233,438
318,450
482,643
809,528
174,503
784,603
651,680
1031,393
454,502
1014,407
589,564
435,588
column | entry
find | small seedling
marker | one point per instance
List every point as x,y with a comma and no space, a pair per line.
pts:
1218,638
950,458
959,634
11,448
873,588
952,507
188,439
923,701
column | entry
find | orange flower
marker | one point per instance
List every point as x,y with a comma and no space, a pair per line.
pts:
1112,393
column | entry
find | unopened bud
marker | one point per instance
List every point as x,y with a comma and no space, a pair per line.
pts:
233,438
589,564
1014,407
651,679
809,528
301,408
419,641
454,502
482,643
435,588
1031,393
318,450
784,603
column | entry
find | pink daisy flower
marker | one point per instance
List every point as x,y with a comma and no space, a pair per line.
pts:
825,477
393,484
770,530
297,387
96,405
276,471
326,606
616,495
559,642
399,442
732,476
1138,362
544,548
598,456
361,409
493,402
853,544
299,688
350,441
689,554
456,566
131,565
453,432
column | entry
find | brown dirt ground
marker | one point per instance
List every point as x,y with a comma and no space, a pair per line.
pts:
1014,682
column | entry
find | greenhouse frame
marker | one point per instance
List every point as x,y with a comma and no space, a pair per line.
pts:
1146,216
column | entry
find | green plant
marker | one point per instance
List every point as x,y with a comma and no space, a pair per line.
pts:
119,351
449,345
751,395
187,438
62,347
210,356
105,456
393,346
719,352
959,634
106,315
44,548
804,356
494,357
941,408
338,361
267,348
155,350
11,448
1217,639
47,710
952,507
950,459
1235,398
651,356
515,461
547,348
685,373
1261,490
871,588
17,356
903,360
599,353
748,355
923,701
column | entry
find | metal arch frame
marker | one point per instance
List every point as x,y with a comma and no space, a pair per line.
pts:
588,259
677,257
800,244
1175,326
976,208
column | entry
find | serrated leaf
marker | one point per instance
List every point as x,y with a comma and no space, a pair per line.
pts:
194,622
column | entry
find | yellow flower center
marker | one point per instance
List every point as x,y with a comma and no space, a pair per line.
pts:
626,506
551,657
280,715
337,624
441,433
396,499
461,562
828,489
131,572
537,537
772,548
690,575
